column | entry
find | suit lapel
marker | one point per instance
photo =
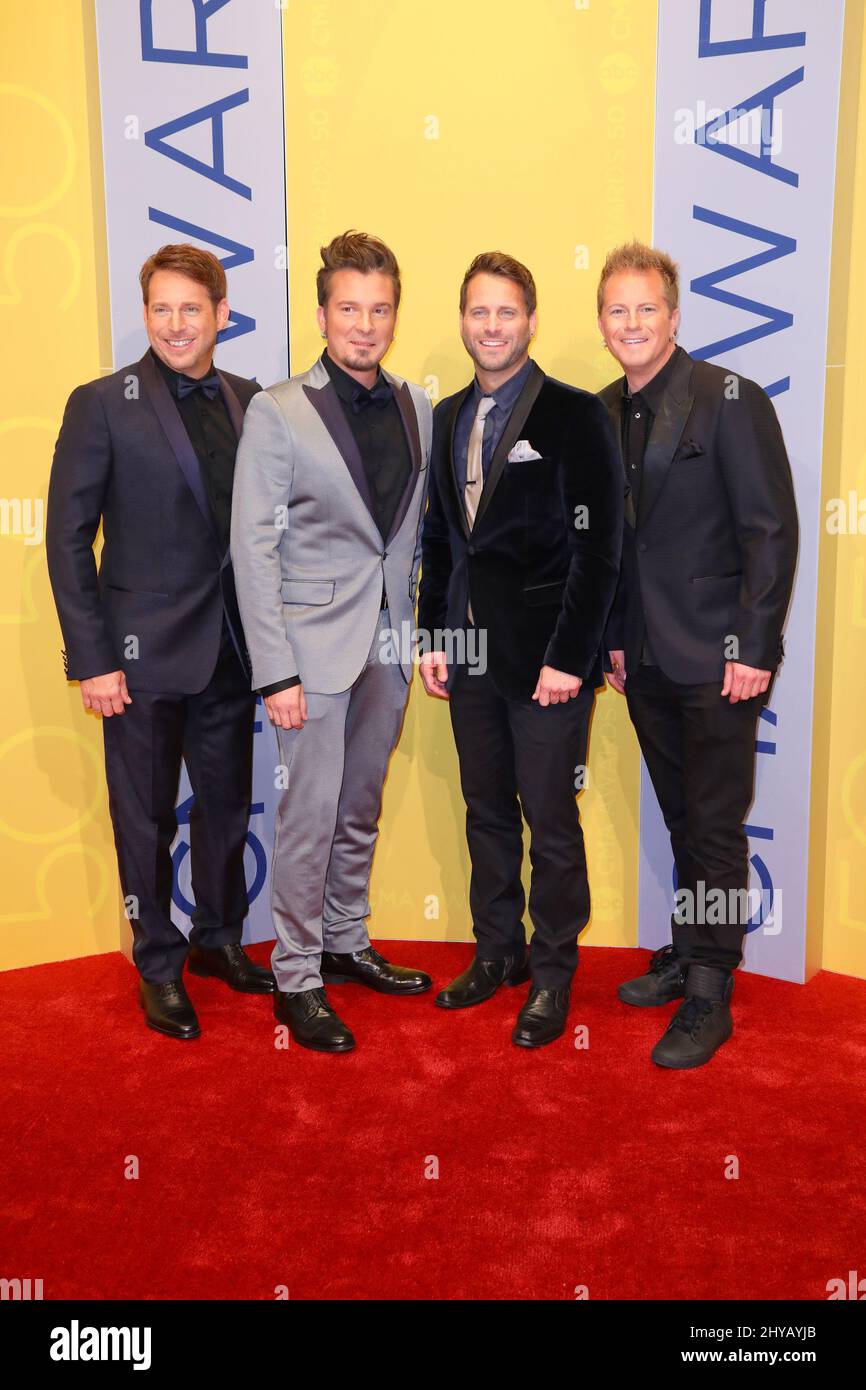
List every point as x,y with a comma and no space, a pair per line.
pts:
168,415
326,402
450,427
232,404
665,436
406,406
510,435
612,397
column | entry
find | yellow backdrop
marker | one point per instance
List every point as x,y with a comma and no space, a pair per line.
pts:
524,127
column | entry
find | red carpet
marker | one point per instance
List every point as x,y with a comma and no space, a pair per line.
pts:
557,1168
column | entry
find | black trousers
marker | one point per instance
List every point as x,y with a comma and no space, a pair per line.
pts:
514,754
213,733
700,754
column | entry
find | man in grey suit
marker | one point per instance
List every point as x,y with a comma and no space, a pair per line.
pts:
329,491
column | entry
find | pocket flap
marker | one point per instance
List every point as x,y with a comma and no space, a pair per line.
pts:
544,593
307,590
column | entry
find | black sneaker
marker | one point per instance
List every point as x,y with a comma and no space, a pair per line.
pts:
702,1022
664,981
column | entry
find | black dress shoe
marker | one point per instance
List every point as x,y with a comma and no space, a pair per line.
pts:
664,981
312,1022
367,967
542,1018
702,1022
168,1009
482,979
233,965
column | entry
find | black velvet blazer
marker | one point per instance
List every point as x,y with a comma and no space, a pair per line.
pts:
540,564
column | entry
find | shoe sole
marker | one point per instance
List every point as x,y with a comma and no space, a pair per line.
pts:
690,1066
512,983
649,1003
167,1032
318,1047
238,989
522,1042
330,979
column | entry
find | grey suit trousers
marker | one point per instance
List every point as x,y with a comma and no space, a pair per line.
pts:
327,818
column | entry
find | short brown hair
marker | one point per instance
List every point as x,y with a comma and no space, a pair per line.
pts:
636,255
497,263
201,266
356,251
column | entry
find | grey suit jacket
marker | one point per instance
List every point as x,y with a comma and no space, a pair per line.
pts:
308,557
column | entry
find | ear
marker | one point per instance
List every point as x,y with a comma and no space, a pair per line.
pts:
321,321
675,321
533,322
222,314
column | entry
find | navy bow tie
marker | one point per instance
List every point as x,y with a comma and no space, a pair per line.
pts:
210,385
379,396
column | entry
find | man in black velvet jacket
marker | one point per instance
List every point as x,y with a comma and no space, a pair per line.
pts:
520,557
155,638
695,633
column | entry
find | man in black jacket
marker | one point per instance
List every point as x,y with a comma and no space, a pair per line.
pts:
695,635
154,638
520,556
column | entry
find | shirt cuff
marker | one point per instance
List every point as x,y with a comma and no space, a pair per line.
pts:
280,685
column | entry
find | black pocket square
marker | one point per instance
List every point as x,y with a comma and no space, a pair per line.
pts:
690,449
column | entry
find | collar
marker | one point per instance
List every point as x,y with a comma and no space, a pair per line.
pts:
171,377
344,384
506,394
651,394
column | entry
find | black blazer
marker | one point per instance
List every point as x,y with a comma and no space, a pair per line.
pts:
539,584
712,548
123,455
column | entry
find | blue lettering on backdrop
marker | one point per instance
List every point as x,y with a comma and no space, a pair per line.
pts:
759,42
708,285
203,9
213,112
707,135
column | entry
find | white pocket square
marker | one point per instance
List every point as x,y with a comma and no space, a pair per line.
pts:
522,451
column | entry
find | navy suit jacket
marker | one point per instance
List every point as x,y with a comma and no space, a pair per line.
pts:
155,607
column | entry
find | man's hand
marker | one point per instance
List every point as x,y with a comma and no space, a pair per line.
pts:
434,674
616,677
105,695
742,682
555,687
288,708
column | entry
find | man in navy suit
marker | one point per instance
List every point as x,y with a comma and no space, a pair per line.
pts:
154,637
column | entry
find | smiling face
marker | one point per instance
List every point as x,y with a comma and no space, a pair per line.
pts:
495,327
637,324
358,321
182,322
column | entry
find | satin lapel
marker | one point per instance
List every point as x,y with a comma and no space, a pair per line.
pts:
327,403
450,428
516,421
236,415
613,403
169,417
232,405
406,406
665,435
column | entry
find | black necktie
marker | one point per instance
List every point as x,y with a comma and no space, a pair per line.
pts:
379,396
210,385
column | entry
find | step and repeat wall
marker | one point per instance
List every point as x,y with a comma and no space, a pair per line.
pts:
551,130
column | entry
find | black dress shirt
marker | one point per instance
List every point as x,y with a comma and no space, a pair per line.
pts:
494,424
381,439
639,409
213,438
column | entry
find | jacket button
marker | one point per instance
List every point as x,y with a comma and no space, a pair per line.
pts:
641,545
470,550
